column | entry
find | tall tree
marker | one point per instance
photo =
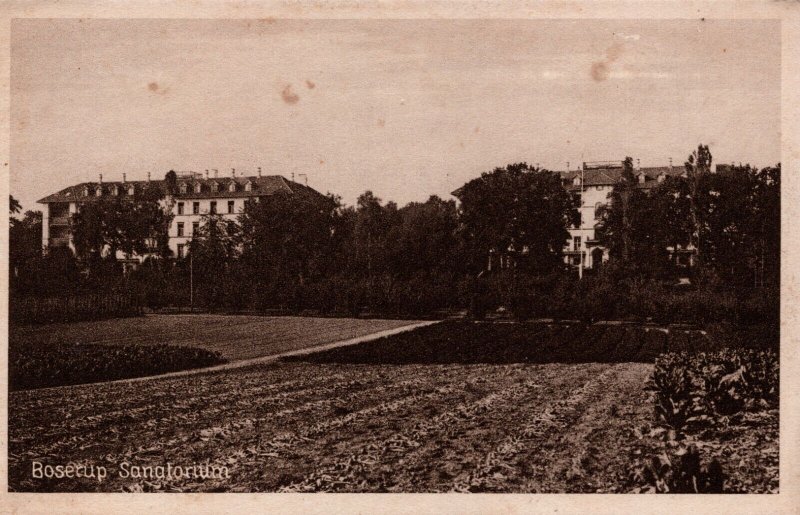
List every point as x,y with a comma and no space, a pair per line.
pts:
289,234
633,225
670,218
134,225
697,165
14,206
213,251
371,234
288,241
171,182
740,223
424,241
24,243
767,213
626,195
520,211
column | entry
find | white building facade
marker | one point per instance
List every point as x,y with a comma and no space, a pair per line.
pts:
592,183
194,196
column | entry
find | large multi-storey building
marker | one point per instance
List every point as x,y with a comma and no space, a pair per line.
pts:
198,194
193,196
592,183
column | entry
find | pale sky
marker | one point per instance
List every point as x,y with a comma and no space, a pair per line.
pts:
405,108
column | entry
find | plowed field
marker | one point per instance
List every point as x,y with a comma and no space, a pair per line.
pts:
306,427
451,407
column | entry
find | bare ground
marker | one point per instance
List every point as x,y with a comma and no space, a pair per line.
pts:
350,428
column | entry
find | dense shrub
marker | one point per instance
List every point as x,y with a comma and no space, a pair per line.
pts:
680,471
611,295
703,393
72,308
457,341
696,388
39,365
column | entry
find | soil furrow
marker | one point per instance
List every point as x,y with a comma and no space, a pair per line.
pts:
356,469
504,468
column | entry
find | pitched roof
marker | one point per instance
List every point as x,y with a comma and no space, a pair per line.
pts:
610,176
261,186
75,193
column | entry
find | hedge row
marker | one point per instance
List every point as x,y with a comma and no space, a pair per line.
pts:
40,365
72,308
606,298
458,341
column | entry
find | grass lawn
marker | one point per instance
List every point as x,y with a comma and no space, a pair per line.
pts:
234,337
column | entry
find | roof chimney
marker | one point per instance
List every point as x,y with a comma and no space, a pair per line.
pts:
638,166
233,172
216,173
101,178
568,166
206,174
670,163
148,176
259,172
124,178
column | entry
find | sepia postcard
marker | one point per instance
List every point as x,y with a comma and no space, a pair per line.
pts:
433,257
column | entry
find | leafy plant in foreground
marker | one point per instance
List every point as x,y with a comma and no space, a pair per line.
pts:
681,473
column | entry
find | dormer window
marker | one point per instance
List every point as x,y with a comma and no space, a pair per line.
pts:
99,191
86,191
662,177
642,178
232,187
215,186
248,186
197,187
131,189
183,187
115,190
577,180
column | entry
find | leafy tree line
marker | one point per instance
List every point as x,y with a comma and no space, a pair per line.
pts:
304,252
731,221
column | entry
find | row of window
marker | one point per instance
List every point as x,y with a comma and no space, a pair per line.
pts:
215,187
212,208
181,225
116,190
